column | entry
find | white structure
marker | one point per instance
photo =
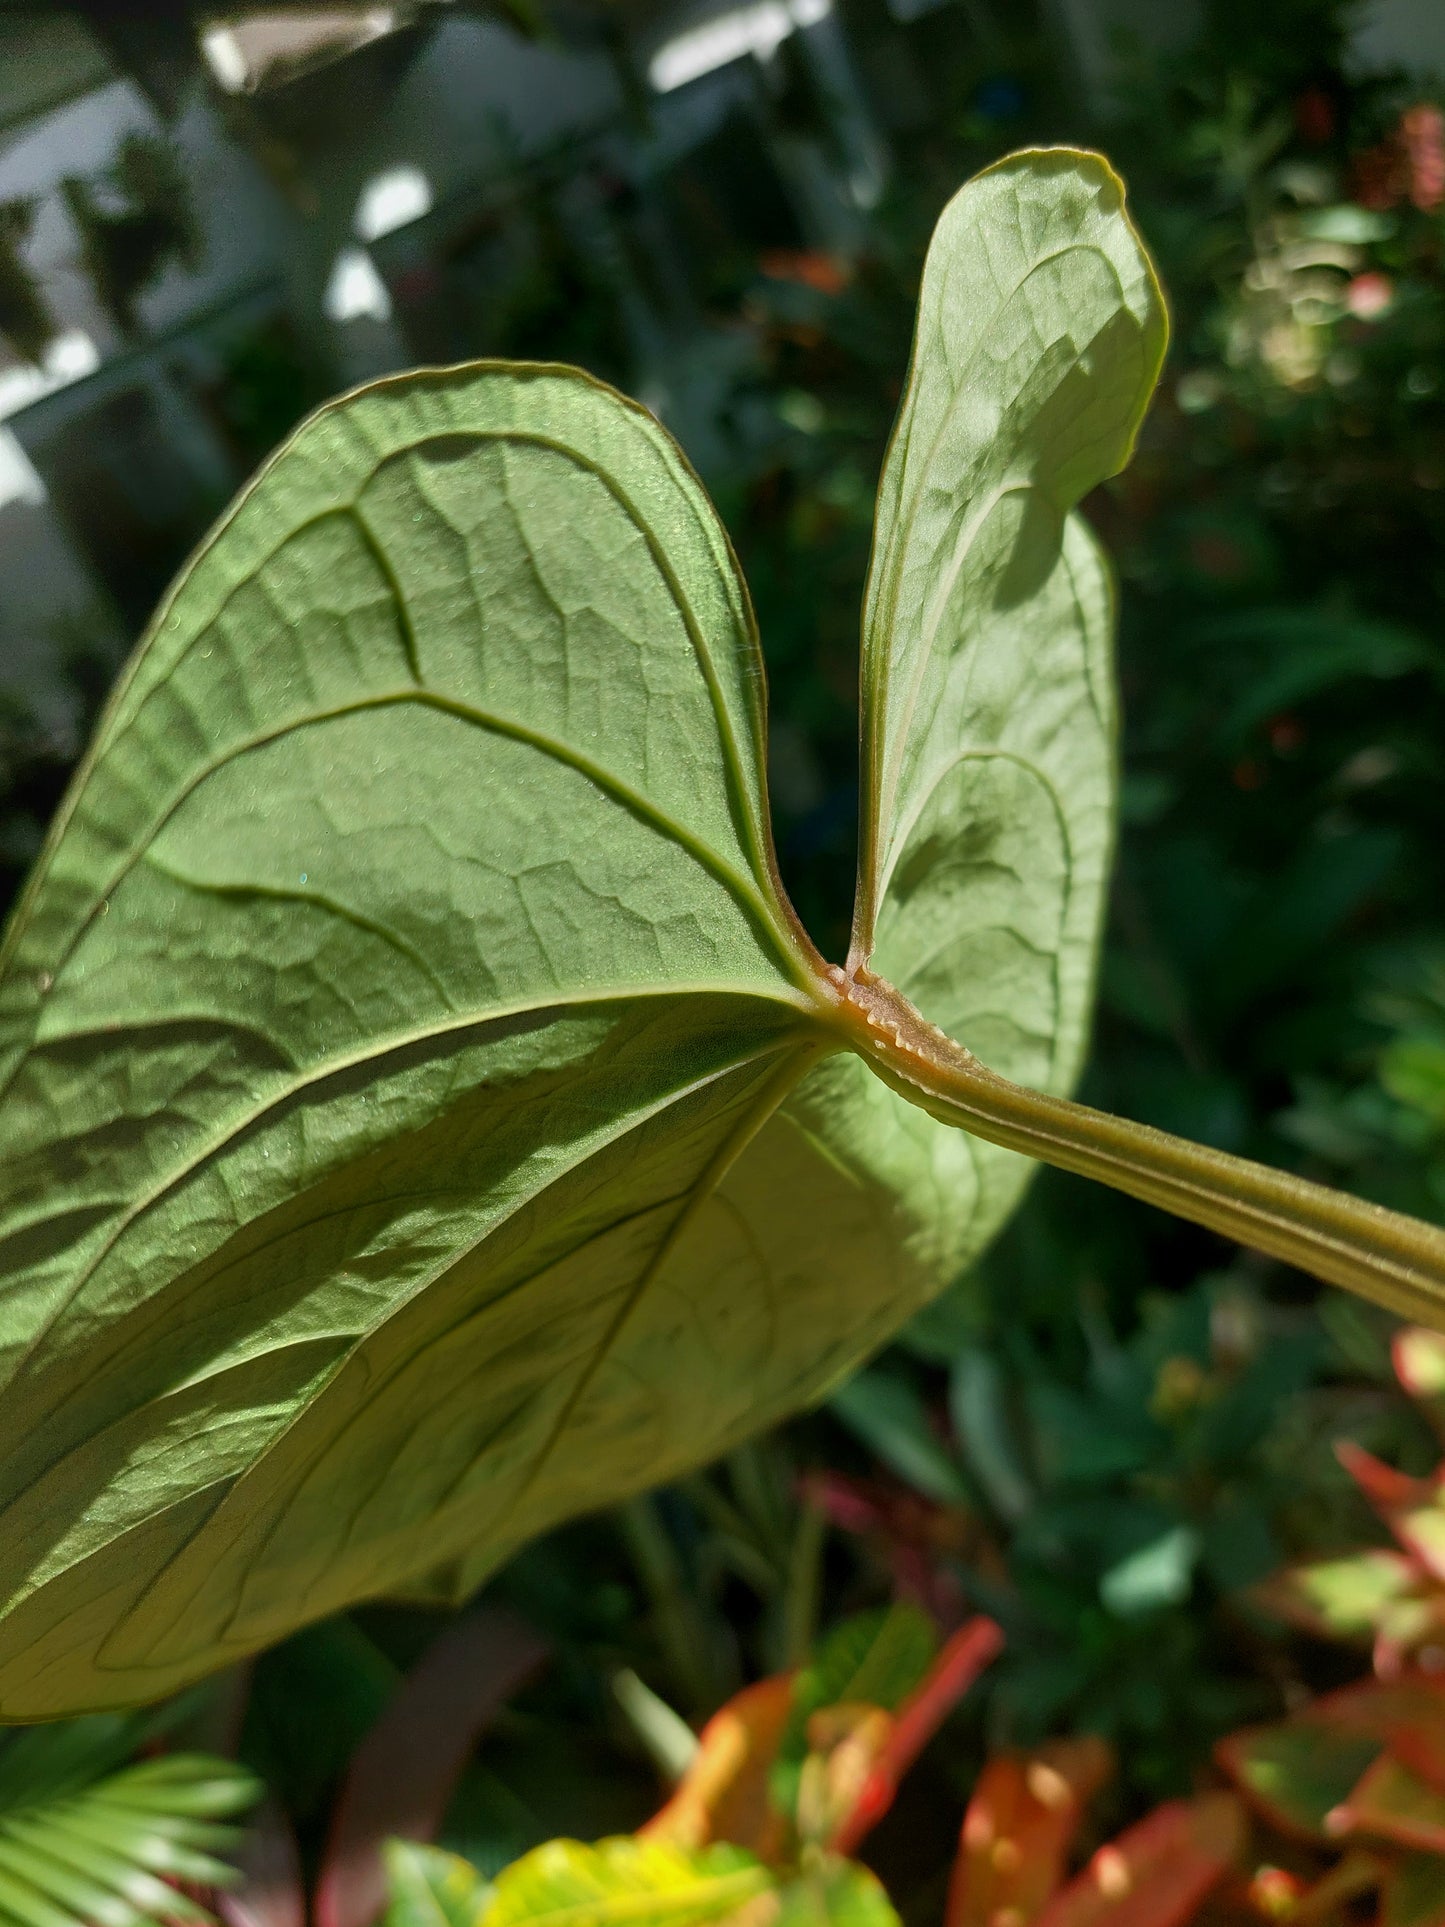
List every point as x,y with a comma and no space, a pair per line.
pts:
154,457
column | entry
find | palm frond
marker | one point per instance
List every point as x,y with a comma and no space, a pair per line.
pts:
87,1841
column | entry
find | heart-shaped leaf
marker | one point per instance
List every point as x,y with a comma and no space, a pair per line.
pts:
423,1116
988,706
406,967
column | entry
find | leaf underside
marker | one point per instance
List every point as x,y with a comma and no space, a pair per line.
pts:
419,1118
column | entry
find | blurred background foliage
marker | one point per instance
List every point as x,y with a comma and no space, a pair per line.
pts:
1117,1426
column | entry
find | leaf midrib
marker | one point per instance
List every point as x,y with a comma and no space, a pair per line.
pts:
775,1091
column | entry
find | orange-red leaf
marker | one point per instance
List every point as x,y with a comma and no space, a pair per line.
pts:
963,1658
1386,1489
1159,1872
1380,1596
1413,1509
1018,1829
724,1793
1421,1531
1276,1895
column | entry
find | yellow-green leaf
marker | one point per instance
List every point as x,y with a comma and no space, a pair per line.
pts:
567,1884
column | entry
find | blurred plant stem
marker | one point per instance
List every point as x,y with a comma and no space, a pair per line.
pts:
684,1637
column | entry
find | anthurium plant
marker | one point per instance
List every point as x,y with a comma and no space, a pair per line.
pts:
424,1116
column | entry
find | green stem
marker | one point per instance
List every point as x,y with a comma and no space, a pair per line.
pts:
802,1587
1397,1261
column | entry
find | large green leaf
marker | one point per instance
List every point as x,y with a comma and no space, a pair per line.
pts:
988,723
423,1117
406,963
